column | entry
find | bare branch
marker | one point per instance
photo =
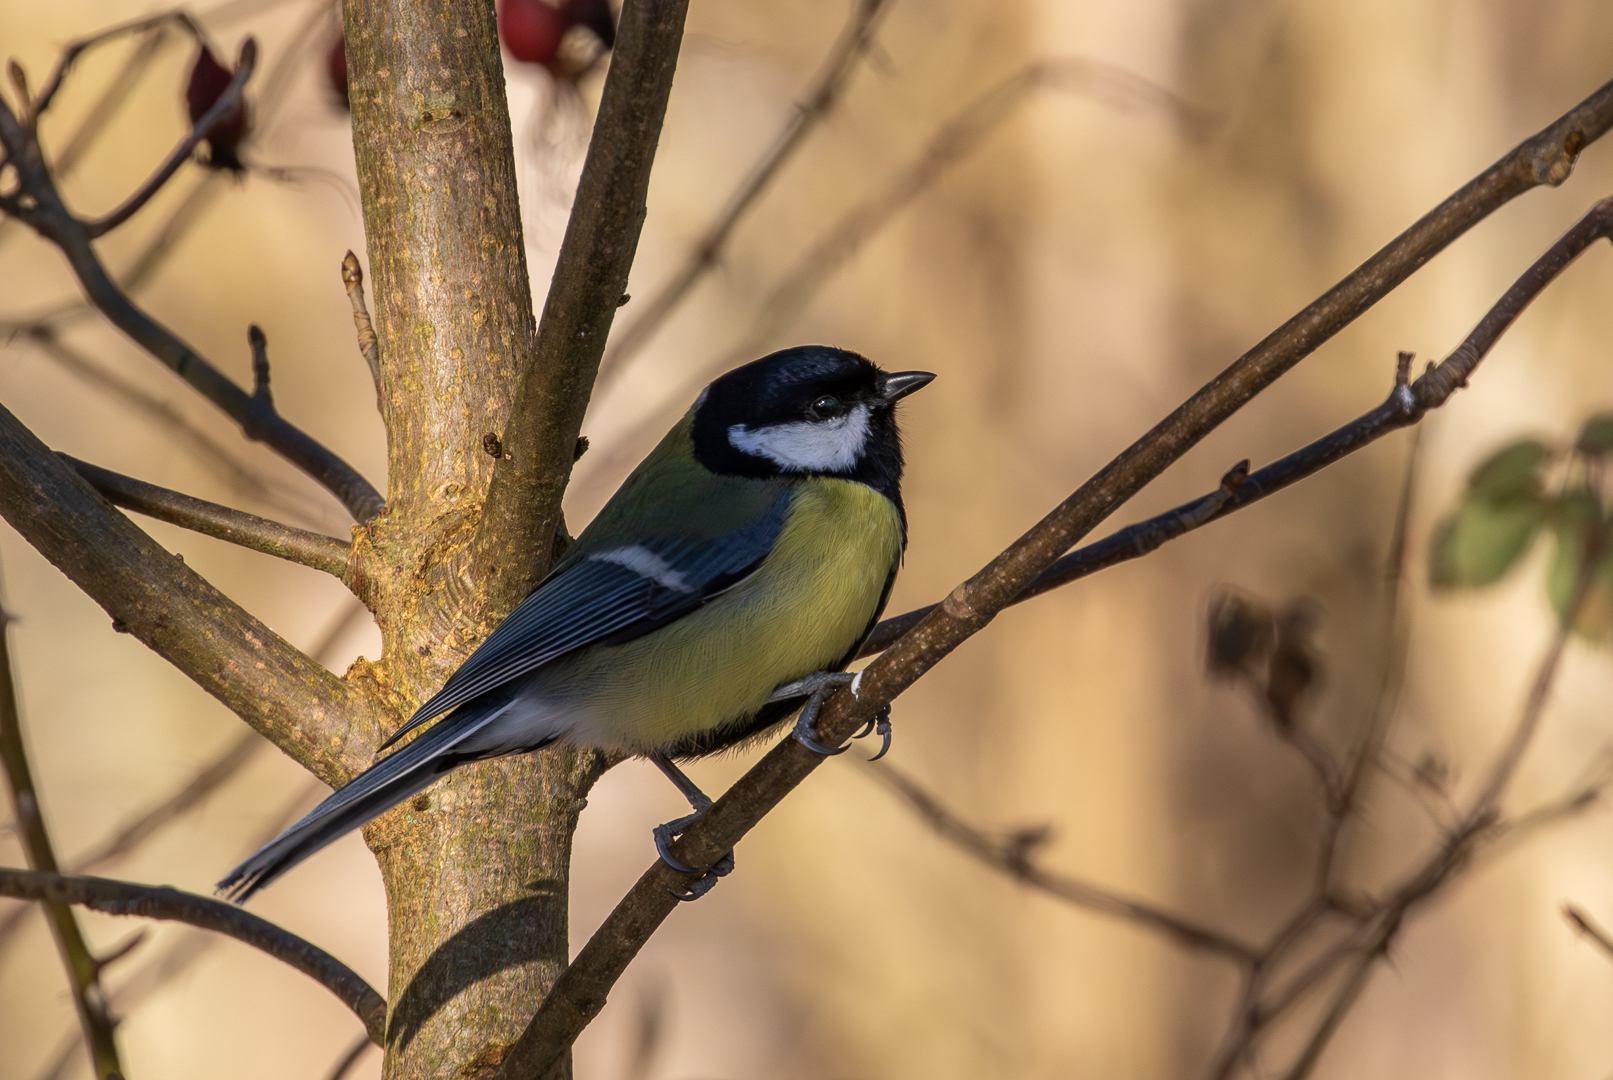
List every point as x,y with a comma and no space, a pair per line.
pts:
1406,405
161,902
1588,926
345,1063
522,509
368,345
848,50
83,969
49,216
956,139
1013,856
210,519
227,104
322,722
580,992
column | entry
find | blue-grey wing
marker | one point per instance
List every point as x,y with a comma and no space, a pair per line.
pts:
609,596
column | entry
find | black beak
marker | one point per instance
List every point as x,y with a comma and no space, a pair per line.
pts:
899,384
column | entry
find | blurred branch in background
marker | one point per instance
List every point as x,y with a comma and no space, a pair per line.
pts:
1547,158
952,142
39,204
1269,651
83,967
854,42
157,972
213,775
1015,853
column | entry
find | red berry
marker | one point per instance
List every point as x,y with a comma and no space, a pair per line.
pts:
336,71
531,30
208,81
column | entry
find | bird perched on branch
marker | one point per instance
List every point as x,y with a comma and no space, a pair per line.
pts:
731,577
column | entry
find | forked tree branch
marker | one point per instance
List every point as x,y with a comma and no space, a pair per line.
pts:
855,39
522,510
47,214
161,902
580,992
221,522
318,719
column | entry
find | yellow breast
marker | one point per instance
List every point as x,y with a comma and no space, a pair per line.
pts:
802,611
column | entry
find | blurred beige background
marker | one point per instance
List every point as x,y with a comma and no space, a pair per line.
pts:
1071,281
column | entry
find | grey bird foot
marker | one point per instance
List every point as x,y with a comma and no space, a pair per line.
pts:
818,688
700,886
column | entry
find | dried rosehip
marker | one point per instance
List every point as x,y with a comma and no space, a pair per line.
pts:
208,81
336,71
531,30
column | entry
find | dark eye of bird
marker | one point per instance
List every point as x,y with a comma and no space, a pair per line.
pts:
826,406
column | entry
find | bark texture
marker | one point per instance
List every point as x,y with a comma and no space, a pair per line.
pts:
476,869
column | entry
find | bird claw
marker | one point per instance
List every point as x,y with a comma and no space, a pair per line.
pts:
700,886
882,724
819,687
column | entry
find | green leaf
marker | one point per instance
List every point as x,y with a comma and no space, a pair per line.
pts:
1510,472
1578,516
1482,541
1596,437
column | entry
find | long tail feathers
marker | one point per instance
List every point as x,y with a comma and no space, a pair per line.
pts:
367,796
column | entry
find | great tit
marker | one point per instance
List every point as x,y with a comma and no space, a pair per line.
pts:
735,572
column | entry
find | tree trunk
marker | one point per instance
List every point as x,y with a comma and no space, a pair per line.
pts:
476,868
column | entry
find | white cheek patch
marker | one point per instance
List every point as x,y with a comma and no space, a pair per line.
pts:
646,563
807,446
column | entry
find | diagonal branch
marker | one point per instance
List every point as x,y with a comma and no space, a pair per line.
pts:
161,902
855,39
1012,856
318,719
1406,405
210,519
523,503
580,992
48,215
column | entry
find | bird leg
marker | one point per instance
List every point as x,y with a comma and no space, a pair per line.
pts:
817,689
699,802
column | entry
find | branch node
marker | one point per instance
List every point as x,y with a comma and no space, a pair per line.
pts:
1403,368
369,346
19,83
260,367
491,443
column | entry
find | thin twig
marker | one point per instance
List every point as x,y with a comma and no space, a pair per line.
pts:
581,990
313,549
83,968
48,215
226,105
350,1058
955,140
855,39
160,902
1588,927
1013,856
369,346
